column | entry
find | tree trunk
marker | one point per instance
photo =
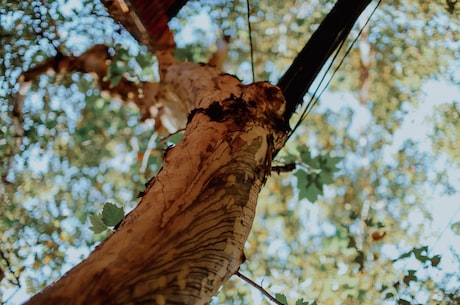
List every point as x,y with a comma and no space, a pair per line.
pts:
186,236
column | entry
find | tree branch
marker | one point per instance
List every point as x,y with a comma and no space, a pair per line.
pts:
332,31
145,20
258,287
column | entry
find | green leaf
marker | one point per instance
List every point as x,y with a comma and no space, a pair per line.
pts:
404,255
321,171
411,277
313,191
115,80
333,161
325,177
301,182
309,185
302,302
420,254
289,158
123,54
97,225
305,155
329,164
111,214
281,298
360,259
435,260
389,295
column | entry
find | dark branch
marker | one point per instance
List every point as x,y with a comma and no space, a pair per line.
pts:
331,33
259,287
284,168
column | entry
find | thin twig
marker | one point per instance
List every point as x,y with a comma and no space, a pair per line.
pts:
284,168
257,286
164,139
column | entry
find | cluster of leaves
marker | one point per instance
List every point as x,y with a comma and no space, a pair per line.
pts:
318,172
446,133
283,299
421,254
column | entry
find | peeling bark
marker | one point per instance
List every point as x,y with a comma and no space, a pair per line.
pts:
187,234
146,20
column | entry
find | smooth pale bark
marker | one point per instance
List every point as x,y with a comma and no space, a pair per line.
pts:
186,236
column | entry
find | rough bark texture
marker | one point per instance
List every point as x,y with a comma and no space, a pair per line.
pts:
186,236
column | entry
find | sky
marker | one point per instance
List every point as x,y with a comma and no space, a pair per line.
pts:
416,126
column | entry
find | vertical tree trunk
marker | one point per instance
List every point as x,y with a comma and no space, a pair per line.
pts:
186,236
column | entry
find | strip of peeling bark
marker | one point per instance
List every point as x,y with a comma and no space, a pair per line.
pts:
186,236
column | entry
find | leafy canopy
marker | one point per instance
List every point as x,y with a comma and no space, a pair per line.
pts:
360,236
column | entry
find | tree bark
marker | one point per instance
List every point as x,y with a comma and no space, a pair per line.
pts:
186,236
146,20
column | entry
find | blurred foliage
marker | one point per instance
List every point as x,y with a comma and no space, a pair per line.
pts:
446,133
362,242
79,150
